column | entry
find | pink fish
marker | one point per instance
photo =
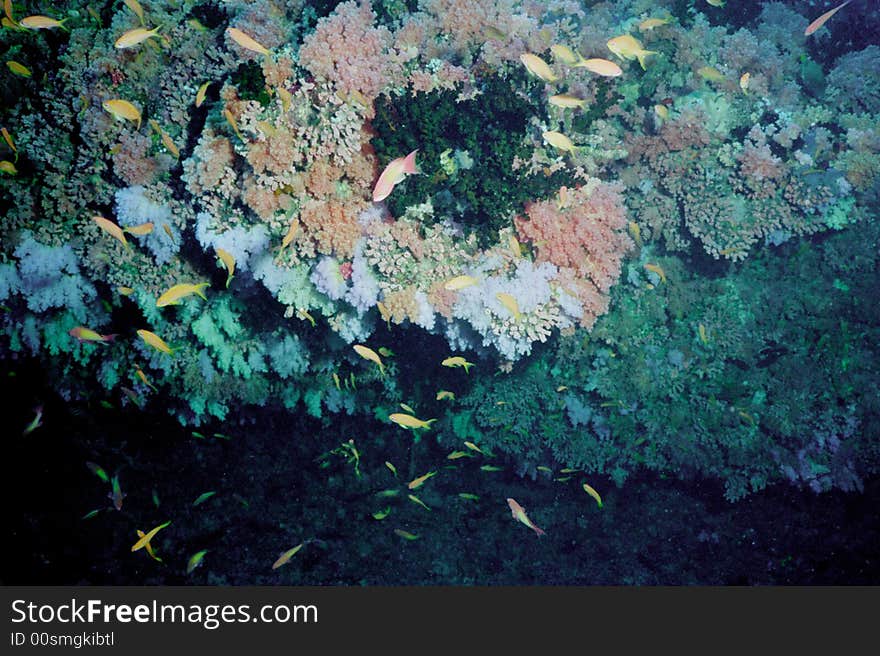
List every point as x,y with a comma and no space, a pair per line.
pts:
395,172
819,22
519,514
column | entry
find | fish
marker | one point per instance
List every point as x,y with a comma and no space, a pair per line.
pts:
650,23
287,555
538,67
135,6
702,332
592,492
7,9
407,408
391,468
98,471
134,37
92,513
445,394
286,98
166,139
544,468
19,69
455,455
303,314
393,174
716,3
635,232
744,82
387,493
174,295
195,560
369,354
152,339
418,482
408,421
626,46
228,261
819,22
246,41
9,24
382,514
123,109
602,67
558,140
566,101
167,229
200,94
83,334
457,361
467,496
204,496
42,23
474,447
416,500
494,33
145,539
111,229
519,514
149,547
515,248
291,233
662,111
710,73
143,377
125,291
140,230
656,268
36,422
8,139
509,303
406,535
385,352
231,120
116,494
565,54
8,167
459,282
490,468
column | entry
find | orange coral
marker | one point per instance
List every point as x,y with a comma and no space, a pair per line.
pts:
332,226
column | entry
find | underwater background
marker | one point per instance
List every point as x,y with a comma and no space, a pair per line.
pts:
440,292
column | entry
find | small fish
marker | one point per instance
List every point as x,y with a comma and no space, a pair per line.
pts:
519,514
246,41
490,468
457,361
19,69
336,381
703,336
592,492
386,352
200,94
382,514
174,295
744,81
125,291
569,470
566,100
134,37
602,67
626,46
228,261
92,513
406,535
393,174
116,494
445,394
391,468
123,109
98,471
149,547
384,494
716,3
418,482
166,139
369,354
662,111
459,282
819,22
111,229
467,496
8,167
559,140
195,560
565,54
7,9
515,248
152,339
135,6
287,555
36,422
155,498
509,303
286,98
562,388
745,416
408,421
204,496
140,230
656,268
710,73
8,24
563,479
303,314
404,406
145,539
416,500
41,23
538,67
544,469
474,447
231,120
167,229
455,455
635,232
650,23
8,139
494,33
83,334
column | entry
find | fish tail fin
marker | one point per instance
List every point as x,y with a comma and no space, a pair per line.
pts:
201,287
642,55
539,531
409,163
110,338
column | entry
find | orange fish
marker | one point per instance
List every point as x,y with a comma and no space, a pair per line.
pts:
395,172
83,334
519,514
819,22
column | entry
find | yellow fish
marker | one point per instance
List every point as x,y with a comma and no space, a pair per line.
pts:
626,46
200,94
391,468
538,67
566,100
146,381
455,455
635,232
407,408
135,6
710,73
744,82
515,248
703,336
7,9
8,139
195,560
140,230
408,421
474,447
656,268
178,292
459,282
286,556
125,291
286,98
509,303
111,229
415,499
650,23
134,37
149,547
382,514
152,339
145,539
716,3
458,361
558,140
123,109
19,69
406,535
662,111
565,54
369,354
291,233
418,482
231,120
166,139
601,67
246,41
589,490
228,261
445,394
8,167
41,23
